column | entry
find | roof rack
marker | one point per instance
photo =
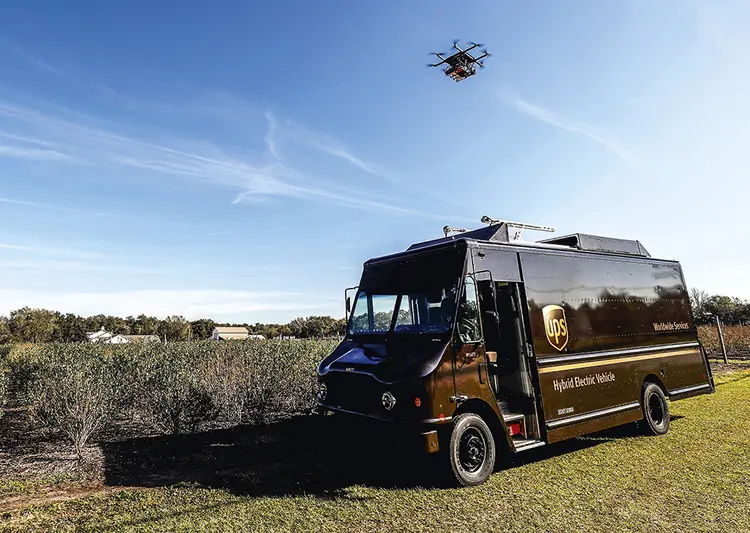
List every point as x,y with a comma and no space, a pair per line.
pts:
507,231
583,241
517,227
496,231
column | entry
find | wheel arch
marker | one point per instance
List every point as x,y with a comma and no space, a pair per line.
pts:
656,380
482,409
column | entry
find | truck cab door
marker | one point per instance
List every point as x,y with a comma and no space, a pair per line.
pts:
469,363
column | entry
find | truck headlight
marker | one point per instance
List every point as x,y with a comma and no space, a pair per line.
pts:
322,393
389,400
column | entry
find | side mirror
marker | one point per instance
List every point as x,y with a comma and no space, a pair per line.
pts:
348,299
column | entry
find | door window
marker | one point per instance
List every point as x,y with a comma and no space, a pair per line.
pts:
468,314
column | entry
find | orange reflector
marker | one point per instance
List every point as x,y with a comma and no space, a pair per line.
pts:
417,402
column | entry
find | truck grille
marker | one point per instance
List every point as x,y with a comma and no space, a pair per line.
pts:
355,392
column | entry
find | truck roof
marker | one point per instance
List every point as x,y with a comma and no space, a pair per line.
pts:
497,234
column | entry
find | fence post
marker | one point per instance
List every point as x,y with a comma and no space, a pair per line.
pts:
721,339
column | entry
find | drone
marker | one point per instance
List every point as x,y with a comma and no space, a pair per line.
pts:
461,64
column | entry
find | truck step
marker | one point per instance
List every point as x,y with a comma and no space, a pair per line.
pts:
527,444
513,417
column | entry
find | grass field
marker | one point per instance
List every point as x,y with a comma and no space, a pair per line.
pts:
287,477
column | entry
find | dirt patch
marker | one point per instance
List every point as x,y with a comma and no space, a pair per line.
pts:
21,501
719,368
27,450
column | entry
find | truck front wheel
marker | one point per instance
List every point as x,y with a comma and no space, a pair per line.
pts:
471,450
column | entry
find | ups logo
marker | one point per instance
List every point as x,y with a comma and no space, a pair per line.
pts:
556,326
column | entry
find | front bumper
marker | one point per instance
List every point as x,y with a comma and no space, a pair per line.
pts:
422,434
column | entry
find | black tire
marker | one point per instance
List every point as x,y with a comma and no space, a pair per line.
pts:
655,410
471,450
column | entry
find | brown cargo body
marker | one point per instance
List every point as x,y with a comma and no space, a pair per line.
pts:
542,341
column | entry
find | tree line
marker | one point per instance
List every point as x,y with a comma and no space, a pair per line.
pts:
730,309
43,325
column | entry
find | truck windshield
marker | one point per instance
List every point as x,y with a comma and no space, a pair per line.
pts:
411,295
414,313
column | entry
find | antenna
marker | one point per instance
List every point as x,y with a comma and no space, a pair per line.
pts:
448,229
518,227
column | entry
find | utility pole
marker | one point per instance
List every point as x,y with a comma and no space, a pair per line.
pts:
721,339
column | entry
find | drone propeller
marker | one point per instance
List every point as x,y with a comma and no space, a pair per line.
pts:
455,41
472,43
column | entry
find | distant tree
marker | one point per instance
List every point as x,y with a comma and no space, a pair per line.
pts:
70,328
315,326
269,331
721,306
742,313
285,331
32,325
115,324
202,328
698,300
174,328
144,325
5,334
94,323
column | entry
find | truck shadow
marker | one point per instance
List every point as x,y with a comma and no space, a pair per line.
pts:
295,456
302,455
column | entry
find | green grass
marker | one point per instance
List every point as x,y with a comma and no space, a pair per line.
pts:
696,478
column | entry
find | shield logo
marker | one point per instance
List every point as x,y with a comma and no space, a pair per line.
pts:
556,326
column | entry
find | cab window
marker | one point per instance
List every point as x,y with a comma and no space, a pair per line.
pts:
468,313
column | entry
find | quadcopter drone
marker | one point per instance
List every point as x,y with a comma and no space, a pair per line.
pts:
461,64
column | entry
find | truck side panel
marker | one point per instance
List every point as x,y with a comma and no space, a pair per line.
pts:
600,327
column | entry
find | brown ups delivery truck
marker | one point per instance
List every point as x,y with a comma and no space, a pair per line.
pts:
479,342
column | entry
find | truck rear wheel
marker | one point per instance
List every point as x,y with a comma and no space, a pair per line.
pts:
655,410
471,450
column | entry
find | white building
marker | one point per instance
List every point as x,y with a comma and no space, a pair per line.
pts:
105,337
99,336
227,333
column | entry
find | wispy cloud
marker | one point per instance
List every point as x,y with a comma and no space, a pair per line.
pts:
269,137
25,139
553,118
328,145
20,152
81,140
62,209
79,266
36,62
191,304
48,250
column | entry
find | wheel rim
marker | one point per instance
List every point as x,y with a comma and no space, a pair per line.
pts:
656,409
472,450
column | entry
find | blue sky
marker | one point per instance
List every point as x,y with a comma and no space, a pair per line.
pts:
241,161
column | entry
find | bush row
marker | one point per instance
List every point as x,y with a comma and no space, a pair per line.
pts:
736,339
4,379
78,389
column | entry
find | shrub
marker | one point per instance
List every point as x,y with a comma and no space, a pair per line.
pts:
172,394
75,390
4,378
257,382
175,388
736,339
